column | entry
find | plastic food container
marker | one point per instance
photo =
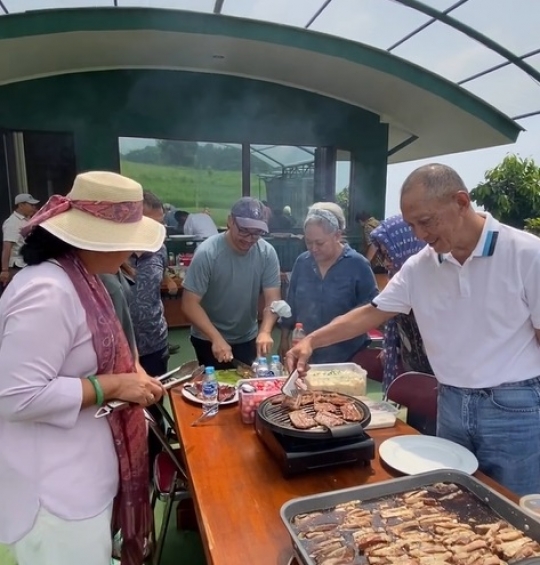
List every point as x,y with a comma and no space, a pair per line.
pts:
531,504
251,392
383,414
345,378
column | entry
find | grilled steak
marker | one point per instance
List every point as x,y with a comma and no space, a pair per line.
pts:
332,397
226,392
277,399
291,402
350,412
326,406
328,419
306,398
301,420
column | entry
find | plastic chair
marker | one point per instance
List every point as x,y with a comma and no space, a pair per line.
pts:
418,393
376,336
169,485
369,360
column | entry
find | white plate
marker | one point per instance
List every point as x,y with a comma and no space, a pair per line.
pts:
417,454
197,400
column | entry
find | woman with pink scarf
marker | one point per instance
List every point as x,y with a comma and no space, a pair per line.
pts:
67,479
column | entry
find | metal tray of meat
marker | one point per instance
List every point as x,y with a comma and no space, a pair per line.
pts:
485,506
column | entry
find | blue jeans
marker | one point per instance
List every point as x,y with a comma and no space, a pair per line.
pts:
501,426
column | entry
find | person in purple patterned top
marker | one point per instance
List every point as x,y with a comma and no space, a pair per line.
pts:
403,345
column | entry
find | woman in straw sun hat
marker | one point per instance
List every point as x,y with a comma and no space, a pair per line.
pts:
62,353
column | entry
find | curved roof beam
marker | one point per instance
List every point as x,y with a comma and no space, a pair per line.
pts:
527,115
496,67
6,11
318,13
424,26
218,6
473,34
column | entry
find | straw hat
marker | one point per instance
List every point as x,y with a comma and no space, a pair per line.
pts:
78,218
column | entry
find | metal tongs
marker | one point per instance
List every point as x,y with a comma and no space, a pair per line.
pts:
172,379
293,384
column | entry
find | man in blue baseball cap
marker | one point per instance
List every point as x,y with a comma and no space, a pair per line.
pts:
222,288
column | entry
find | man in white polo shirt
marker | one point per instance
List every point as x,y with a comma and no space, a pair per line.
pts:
475,292
25,207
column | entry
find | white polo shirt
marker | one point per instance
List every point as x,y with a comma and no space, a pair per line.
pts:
477,320
11,231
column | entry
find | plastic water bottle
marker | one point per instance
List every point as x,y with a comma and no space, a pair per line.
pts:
298,334
276,368
210,390
262,369
255,366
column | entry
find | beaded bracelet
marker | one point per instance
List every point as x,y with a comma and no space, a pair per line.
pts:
100,397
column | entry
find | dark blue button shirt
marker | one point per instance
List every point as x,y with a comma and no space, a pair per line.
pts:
316,301
146,306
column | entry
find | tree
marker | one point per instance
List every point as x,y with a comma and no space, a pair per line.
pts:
511,191
149,154
178,153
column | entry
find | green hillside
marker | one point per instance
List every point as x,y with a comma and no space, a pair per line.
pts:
193,189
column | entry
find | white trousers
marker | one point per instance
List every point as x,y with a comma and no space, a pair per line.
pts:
53,541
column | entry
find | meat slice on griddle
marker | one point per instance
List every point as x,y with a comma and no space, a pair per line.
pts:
324,406
306,398
350,412
292,402
328,419
277,399
302,420
333,397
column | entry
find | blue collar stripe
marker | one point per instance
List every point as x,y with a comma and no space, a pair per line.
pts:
494,237
490,243
487,244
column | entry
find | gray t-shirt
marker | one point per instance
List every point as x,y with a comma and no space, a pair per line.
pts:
229,285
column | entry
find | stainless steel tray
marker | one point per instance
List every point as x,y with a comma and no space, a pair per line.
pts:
500,505
169,380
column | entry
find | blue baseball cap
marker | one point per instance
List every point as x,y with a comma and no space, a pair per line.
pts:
249,213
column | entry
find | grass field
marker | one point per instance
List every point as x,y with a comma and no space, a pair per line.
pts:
193,189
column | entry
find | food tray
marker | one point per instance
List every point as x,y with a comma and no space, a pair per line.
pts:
498,504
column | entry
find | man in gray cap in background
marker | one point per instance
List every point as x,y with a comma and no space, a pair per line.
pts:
25,208
222,288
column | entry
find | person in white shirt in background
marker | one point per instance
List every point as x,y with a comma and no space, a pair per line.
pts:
198,224
25,208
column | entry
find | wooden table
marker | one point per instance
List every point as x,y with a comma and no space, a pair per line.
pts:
238,488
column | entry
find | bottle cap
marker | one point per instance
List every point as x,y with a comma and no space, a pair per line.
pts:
531,503
275,358
262,359
209,370
298,325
